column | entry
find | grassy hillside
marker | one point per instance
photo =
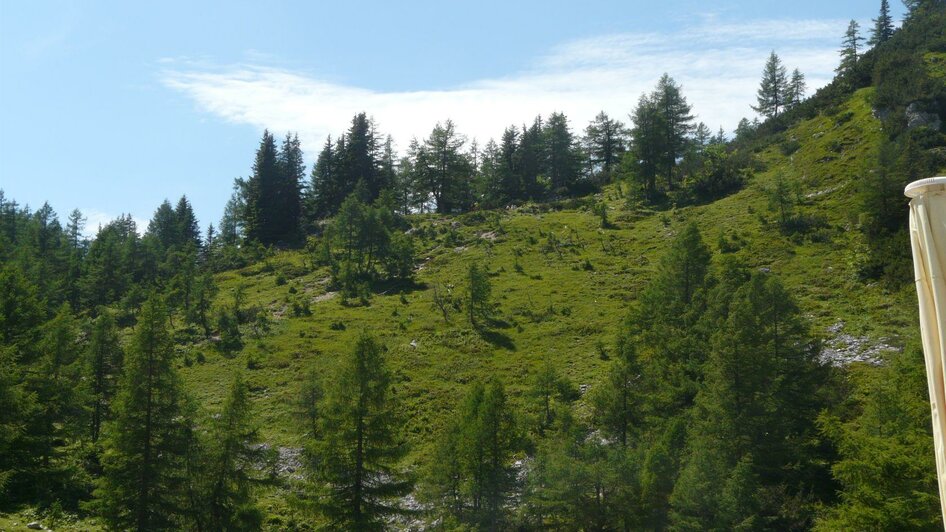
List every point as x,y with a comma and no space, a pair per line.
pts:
562,284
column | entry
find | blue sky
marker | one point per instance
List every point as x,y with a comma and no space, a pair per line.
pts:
111,107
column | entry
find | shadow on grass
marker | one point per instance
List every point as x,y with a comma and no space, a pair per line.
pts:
496,338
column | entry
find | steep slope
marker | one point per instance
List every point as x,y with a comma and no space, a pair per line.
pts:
562,284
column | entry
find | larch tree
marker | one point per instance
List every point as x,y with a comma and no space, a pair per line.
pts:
103,363
849,48
146,440
605,141
676,123
356,452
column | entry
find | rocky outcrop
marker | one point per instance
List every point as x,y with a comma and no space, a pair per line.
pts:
917,117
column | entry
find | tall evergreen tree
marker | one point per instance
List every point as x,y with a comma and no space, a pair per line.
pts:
563,158
103,363
325,186
676,123
883,25
772,94
646,143
849,49
188,230
605,141
795,90
531,161
289,190
230,456
260,193
442,171
358,446
146,441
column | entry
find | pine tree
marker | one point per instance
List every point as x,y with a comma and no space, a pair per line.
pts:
102,369
772,94
146,440
849,50
605,141
358,446
883,25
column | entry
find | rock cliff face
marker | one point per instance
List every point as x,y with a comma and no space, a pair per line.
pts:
917,117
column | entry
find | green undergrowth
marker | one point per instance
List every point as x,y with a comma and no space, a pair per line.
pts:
562,284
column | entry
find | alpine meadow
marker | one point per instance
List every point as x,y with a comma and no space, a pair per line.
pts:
638,322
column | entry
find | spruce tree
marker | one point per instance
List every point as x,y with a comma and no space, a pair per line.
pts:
357,450
288,201
883,25
147,439
563,158
772,94
260,193
188,231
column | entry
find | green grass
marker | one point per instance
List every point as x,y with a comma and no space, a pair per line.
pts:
558,303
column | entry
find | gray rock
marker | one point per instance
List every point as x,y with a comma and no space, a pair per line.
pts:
842,349
916,117
34,526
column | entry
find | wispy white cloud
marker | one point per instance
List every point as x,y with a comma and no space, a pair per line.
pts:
96,219
717,62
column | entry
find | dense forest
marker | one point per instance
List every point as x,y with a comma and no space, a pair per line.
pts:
708,400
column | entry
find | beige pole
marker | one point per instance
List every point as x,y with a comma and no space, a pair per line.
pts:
928,238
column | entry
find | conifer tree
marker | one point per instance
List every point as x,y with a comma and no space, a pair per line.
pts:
646,143
146,441
616,400
325,188
563,158
289,190
260,193
849,50
772,94
795,91
358,447
228,463
883,25
188,231
675,123
605,141
479,289
442,171
102,369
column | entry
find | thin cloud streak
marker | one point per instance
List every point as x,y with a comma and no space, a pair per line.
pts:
719,65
